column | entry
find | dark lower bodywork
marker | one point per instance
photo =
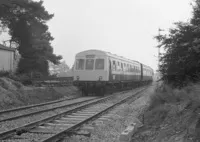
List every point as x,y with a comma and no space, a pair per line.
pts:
116,81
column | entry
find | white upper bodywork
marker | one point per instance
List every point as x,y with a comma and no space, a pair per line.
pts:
118,65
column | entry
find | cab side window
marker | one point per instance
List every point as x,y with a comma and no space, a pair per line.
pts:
89,64
80,64
99,64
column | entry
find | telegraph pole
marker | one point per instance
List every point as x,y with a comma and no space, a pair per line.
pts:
159,39
159,30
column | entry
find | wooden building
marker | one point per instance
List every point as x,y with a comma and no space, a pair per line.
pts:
6,58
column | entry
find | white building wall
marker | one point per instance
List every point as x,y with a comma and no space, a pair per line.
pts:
6,60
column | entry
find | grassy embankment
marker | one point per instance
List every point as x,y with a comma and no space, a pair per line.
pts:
14,94
173,115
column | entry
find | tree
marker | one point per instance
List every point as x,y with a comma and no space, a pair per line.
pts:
181,62
26,21
62,68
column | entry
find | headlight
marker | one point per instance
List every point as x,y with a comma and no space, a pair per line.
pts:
77,77
100,78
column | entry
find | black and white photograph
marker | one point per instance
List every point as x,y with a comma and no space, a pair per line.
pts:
99,70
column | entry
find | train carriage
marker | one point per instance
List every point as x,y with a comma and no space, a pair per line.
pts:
147,73
95,69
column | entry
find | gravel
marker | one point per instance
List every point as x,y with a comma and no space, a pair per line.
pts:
16,123
39,108
119,119
7,125
26,137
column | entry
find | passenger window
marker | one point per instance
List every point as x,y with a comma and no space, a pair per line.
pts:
89,64
131,68
125,67
122,66
99,64
80,64
118,66
114,66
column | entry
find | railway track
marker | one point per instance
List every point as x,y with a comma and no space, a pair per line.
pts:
31,110
35,105
58,126
11,119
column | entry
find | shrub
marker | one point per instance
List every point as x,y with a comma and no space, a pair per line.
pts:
163,95
157,115
9,74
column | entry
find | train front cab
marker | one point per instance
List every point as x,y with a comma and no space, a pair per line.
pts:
91,72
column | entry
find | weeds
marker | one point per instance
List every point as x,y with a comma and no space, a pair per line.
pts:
173,106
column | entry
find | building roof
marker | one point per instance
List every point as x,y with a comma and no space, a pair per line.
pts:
2,47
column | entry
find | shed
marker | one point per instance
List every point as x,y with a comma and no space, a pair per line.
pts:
6,58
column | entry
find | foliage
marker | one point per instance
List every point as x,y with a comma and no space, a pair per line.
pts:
181,62
23,78
177,107
26,21
62,68
9,74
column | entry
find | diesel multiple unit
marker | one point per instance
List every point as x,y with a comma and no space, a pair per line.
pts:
95,71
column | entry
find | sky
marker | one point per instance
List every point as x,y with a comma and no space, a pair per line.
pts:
122,27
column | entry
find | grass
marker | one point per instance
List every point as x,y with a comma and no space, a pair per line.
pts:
14,94
174,108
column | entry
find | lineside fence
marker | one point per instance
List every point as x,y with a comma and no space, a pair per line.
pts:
53,81
47,81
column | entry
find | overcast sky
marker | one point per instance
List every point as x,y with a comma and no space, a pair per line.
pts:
122,27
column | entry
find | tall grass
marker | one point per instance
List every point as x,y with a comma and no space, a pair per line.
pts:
177,106
165,95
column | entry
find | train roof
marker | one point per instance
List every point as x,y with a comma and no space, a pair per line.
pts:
104,53
100,52
147,67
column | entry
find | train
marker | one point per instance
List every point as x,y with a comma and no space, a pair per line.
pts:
96,71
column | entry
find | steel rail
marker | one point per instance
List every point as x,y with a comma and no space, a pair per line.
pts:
63,133
26,127
45,110
35,105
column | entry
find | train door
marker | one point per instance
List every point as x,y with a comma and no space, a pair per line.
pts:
122,73
110,71
141,78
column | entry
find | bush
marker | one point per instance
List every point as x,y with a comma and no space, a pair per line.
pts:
27,78
9,74
157,115
163,95
172,102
